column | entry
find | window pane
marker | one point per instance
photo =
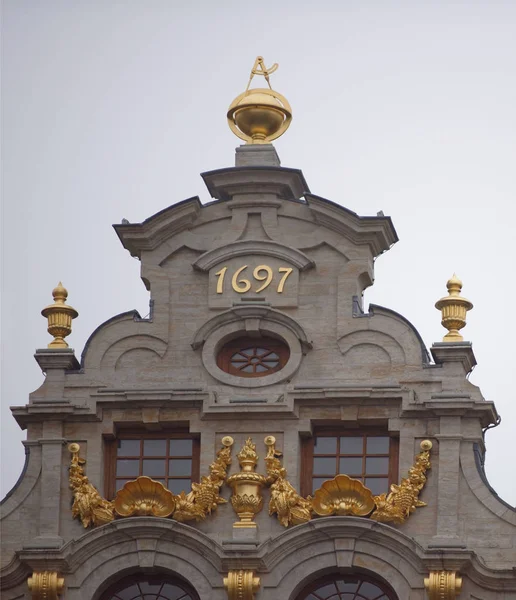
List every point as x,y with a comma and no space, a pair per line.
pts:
261,369
352,445
351,466
179,485
120,483
325,445
127,468
172,592
377,466
317,482
369,590
347,587
128,448
180,466
325,466
377,485
248,369
129,593
153,467
377,445
181,447
326,591
154,447
150,588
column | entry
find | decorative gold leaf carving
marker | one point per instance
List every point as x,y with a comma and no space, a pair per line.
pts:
88,504
403,499
343,495
144,496
205,495
45,585
291,508
247,486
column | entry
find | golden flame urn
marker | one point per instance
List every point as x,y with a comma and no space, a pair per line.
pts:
247,499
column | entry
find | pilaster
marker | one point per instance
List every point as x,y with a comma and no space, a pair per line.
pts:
54,363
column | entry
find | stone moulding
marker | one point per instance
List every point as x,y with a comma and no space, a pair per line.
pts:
145,497
443,585
45,585
293,256
241,585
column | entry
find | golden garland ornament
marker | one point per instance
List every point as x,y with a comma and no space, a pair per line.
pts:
146,497
403,499
241,585
88,505
443,585
45,585
285,502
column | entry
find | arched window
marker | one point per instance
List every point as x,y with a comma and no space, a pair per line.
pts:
253,357
347,587
150,587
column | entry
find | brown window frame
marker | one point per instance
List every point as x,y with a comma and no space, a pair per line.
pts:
111,445
307,454
235,346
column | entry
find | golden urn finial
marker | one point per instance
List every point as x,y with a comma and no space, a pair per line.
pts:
259,115
59,317
453,309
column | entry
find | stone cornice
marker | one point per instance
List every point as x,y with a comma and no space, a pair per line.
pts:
461,352
278,182
138,237
378,232
56,358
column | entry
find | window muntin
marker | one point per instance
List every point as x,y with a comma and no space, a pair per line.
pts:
347,587
171,459
368,456
150,588
253,357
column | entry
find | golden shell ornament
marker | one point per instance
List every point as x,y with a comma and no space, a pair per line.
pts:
343,496
142,497
259,115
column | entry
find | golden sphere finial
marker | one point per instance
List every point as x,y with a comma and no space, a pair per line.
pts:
453,309
59,317
259,115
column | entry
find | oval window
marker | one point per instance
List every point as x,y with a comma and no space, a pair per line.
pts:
253,357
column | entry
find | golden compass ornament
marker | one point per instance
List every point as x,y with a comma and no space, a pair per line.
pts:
259,115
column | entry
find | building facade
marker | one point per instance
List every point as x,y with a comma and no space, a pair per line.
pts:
259,435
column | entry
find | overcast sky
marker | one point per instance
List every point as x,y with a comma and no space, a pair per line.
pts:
111,109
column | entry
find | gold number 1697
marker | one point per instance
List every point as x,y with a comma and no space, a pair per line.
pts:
261,273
